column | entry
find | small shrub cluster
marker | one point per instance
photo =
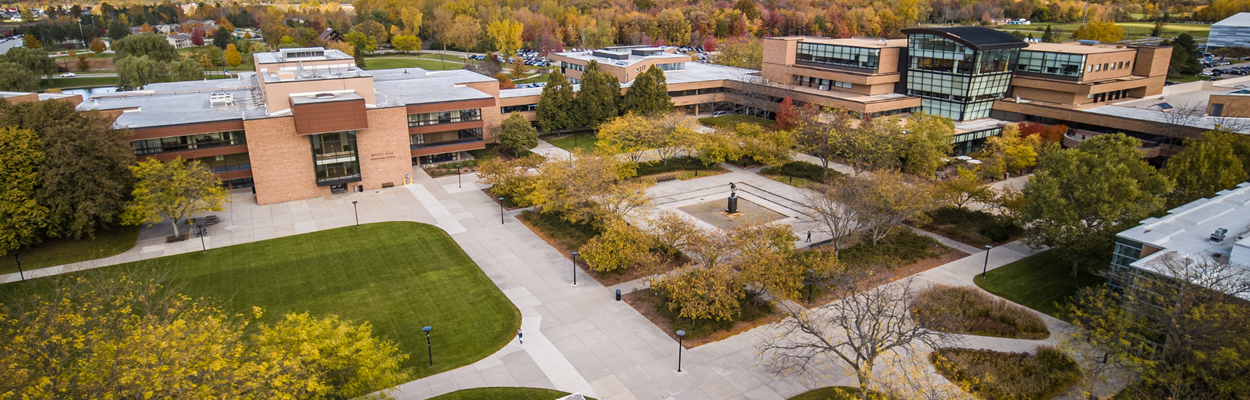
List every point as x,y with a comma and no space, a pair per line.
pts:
804,170
978,227
750,309
900,247
966,309
998,375
673,165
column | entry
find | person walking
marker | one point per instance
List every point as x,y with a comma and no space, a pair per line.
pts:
518,336
809,236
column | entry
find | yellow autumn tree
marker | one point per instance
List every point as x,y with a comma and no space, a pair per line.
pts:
173,191
1102,31
232,55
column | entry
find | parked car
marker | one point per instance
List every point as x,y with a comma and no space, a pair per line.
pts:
68,75
720,113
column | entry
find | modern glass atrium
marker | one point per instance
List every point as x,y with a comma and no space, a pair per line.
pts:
957,72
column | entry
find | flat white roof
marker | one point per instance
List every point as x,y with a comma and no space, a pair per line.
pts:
1187,229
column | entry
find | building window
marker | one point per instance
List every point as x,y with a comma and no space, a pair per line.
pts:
445,138
445,117
672,67
1061,64
845,56
188,142
572,66
227,163
1217,110
821,84
334,157
520,108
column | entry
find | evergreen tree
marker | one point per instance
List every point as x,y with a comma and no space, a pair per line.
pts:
518,134
1184,56
600,97
222,38
649,93
1207,165
1048,36
555,106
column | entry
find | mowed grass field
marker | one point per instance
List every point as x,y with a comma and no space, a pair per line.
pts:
391,62
398,276
59,251
1131,29
1042,282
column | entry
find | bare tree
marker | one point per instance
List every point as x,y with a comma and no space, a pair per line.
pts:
832,216
869,322
1177,118
1228,120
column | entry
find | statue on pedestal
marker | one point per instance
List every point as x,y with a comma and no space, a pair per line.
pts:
732,207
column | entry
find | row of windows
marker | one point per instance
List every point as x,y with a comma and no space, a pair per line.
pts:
1108,96
227,163
189,142
959,88
693,92
1042,62
445,138
1110,66
846,56
518,108
445,117
672,66
572,66
822,84
958,111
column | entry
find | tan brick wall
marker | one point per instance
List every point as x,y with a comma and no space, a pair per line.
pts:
385,155
1152,61
1110,61
1234,106
278,94
780,51
491,117
282,163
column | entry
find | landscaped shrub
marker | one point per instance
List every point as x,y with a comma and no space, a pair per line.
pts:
673,164
965,309
805,170
997,375
749,309
978,227
730,121
900,247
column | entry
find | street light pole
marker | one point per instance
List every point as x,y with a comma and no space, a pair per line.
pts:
428,347
501,211
356,212
575,268
459,184
16,256
987,260
680,336
200,230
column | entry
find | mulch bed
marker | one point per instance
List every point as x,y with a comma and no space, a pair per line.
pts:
644,301
945,256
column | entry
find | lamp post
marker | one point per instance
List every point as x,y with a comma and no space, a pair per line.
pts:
459,184
501,211
987,260
17,256
680,335
574,252
201,230
356,212
428,349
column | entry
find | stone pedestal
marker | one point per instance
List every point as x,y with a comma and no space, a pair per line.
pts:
732,207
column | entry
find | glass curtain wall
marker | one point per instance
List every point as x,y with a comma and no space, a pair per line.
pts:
1068,66
335,157
956,81
846,56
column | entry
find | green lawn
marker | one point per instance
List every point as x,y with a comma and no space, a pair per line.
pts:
398,276
535,79
1131,29
510,393
583,140
437,56
64,251
1041,282
78,82
410,62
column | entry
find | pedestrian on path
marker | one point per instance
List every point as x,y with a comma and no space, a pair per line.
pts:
809,236
518,336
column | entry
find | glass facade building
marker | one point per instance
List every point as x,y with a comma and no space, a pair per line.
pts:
957,77
444,117
1069,66
335,158
845,56
190,142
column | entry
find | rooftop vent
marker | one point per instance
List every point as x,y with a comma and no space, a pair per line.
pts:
325,95
220,99
1218,235
1087,42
